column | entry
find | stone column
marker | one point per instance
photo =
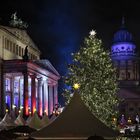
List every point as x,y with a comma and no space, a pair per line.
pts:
40,83
50,99
56,94
33,94
12,91
46,96
25,94
2,97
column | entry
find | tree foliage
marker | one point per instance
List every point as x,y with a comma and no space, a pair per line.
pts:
92,68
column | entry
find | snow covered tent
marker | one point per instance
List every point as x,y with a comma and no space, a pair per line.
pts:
19,120
7,122
53,117
75,122
45,120
28,119
35,122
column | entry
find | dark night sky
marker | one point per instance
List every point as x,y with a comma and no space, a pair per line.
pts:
58,27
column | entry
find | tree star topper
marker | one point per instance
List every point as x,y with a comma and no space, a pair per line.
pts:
92,33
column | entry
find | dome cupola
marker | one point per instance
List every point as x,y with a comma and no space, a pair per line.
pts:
123,43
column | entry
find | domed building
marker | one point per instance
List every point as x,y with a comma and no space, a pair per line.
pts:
126,61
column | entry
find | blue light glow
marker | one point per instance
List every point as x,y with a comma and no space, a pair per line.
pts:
123,49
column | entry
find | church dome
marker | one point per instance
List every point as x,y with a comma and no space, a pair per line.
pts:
123,44
122,36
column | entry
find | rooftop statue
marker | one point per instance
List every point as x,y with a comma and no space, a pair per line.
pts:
17,22
25,56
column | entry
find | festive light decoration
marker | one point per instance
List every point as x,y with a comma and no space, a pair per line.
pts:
7,110
76,86
92,68
92,33
21,107
129,120
14,106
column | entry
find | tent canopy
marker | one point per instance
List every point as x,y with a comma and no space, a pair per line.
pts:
75,121
35,122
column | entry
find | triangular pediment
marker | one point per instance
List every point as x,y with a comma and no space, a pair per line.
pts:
47,65
20,34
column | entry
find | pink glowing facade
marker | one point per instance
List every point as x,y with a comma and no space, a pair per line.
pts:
29,86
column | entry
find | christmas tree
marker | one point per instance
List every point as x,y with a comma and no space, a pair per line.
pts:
92,69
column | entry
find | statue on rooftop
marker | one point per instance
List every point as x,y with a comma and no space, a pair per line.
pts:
17,22
25,56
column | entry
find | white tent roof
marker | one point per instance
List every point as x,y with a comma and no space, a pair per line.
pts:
6,122
34,122
19,120
53,117
45,120
75,121
28,119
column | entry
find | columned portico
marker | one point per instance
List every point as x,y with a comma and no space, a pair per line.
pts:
28,87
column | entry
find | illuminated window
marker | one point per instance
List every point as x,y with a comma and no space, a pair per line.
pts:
16,86
7,84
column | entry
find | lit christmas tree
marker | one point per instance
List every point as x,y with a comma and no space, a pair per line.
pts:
92,69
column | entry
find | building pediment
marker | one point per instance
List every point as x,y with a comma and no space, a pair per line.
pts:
47,65
21,35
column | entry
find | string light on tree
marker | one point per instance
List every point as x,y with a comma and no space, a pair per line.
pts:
92,68
76,86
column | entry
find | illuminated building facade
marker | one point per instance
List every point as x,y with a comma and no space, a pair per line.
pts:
126,61
25,84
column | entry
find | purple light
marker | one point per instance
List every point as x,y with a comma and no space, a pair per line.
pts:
123,49
7,100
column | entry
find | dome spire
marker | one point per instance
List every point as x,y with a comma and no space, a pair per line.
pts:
123,22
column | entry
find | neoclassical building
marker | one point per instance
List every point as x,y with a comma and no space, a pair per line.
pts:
25,84
127,62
